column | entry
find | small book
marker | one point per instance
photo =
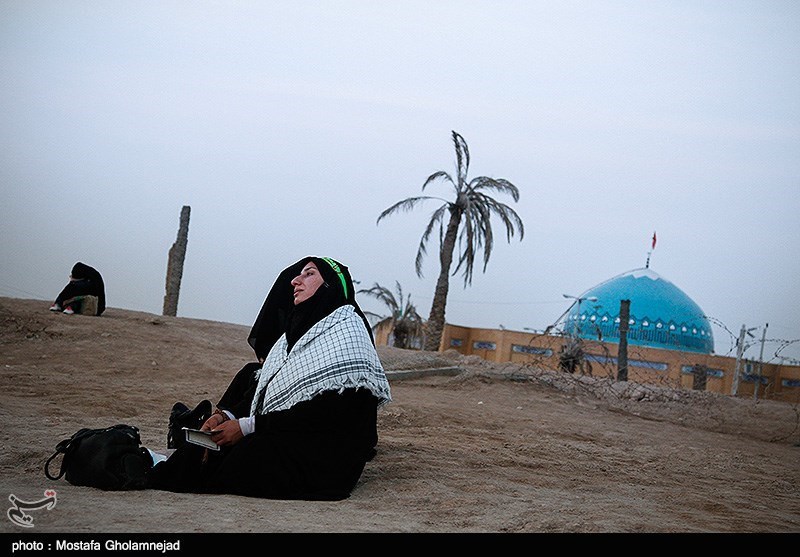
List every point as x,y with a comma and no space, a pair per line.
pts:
202,438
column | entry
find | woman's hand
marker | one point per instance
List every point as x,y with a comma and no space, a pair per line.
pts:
226,433
213,421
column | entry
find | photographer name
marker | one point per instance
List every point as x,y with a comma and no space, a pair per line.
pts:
94,545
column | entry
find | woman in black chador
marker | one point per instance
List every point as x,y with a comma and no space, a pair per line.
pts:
83,281
302,422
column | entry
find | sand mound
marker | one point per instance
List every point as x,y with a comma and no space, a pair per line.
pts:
466,446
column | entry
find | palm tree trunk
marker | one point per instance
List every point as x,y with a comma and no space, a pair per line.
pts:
435,325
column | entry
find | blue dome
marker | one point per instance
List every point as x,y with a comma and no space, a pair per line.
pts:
661,314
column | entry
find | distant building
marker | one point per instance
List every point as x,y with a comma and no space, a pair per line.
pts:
669,341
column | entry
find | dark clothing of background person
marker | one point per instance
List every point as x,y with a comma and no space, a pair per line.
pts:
86,281
317,448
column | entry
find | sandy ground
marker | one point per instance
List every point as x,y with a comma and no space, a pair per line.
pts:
471,448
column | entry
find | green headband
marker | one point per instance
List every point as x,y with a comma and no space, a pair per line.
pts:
335,266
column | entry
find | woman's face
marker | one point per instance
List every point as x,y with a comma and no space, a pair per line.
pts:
306,283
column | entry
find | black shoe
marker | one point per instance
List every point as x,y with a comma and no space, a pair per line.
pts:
181,417
198,416
177,409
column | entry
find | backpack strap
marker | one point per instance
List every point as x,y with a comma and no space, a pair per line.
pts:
64,447
47,467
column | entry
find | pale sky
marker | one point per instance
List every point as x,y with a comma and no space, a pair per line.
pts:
288,127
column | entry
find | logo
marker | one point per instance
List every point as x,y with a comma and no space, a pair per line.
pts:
17,515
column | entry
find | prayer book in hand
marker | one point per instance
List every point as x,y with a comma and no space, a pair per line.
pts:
202,438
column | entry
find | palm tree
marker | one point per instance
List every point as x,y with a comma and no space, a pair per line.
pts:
404,321
468,221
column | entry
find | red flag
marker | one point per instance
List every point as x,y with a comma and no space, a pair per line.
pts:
654,240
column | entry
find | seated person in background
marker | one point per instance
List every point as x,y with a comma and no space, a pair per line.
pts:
301,423
84,293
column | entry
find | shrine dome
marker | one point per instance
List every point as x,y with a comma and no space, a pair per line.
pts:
661,314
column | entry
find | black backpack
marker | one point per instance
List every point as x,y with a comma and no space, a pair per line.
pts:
110,458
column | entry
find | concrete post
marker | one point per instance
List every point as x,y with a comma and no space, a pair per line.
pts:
177,254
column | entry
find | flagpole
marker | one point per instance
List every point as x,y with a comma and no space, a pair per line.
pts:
652,247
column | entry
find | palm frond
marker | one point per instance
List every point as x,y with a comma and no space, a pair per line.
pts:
405,205
462,158
466,235
487,234
506,214
422,249
496,184
468,242
383,294
439,174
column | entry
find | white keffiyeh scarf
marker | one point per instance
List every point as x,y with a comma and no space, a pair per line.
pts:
336,353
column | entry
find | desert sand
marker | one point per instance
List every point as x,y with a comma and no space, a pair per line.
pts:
465,447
